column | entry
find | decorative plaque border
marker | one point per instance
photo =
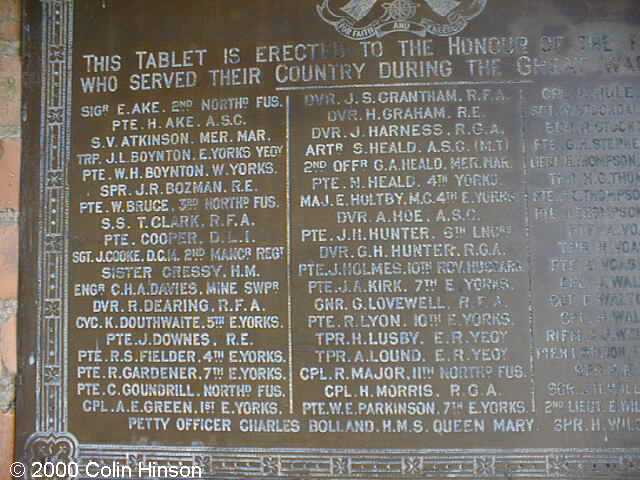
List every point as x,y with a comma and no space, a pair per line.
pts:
52,440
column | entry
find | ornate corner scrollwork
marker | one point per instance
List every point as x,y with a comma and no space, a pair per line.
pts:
271,465
412,466
341,466
56,447
557,465
484,466
203,462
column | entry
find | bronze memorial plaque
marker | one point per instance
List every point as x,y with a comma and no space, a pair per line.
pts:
335,239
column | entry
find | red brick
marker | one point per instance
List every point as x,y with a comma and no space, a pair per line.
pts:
7,442
8,345
9,89
9,187
10,9
8,261
9,28
10,20
9,173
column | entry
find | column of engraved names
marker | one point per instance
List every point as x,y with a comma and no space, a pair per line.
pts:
179,262
584,156
410,262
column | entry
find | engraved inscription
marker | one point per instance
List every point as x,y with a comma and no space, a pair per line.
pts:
373,226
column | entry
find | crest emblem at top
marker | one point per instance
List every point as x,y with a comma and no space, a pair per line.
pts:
363,19
443,7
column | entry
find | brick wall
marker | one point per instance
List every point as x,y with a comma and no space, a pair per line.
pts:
9,189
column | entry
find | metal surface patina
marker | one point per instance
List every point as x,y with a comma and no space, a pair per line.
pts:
332,239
